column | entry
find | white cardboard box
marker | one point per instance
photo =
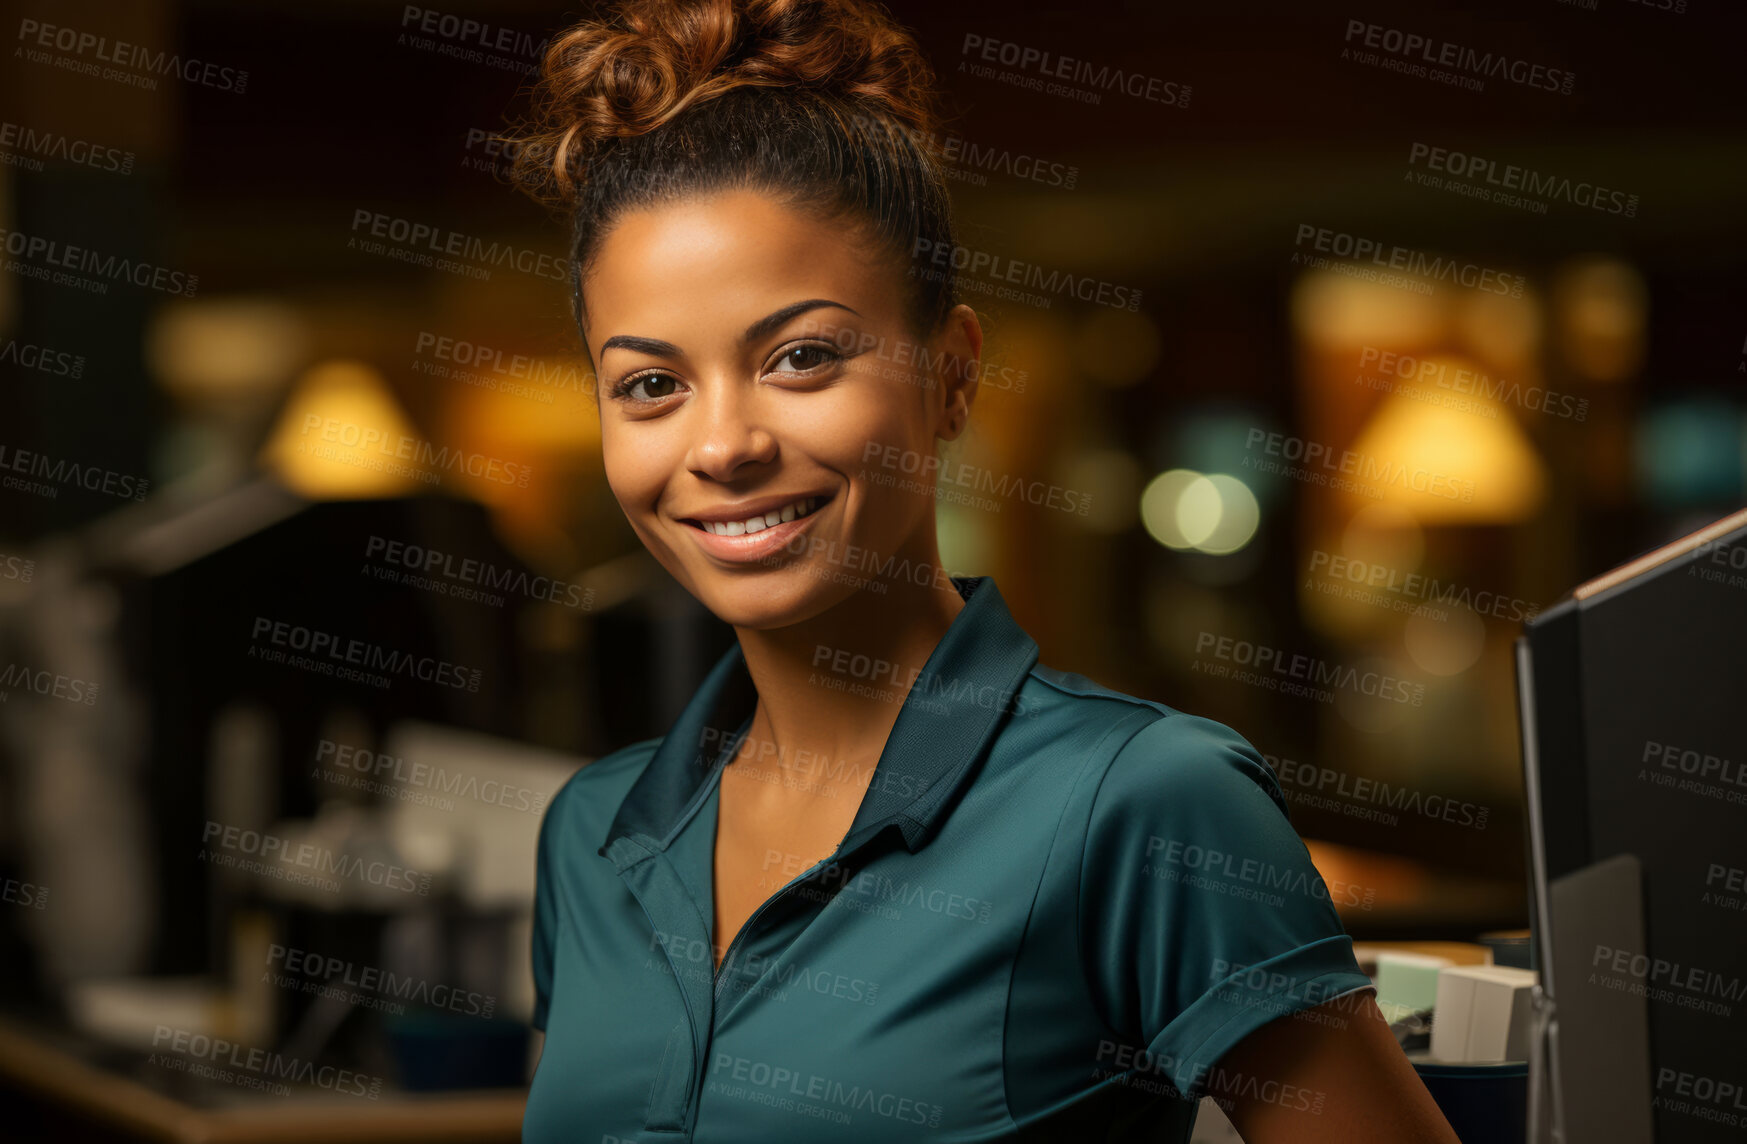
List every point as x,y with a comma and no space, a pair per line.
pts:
1482,1013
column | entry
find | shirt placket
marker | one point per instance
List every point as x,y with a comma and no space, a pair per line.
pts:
773,927
674,917
677,1087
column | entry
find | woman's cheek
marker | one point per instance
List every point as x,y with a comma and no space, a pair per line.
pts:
871,433
633,473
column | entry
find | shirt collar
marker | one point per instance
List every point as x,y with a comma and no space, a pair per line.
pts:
944,728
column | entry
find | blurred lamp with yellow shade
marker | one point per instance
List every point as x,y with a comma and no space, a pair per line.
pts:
1447,465
327,443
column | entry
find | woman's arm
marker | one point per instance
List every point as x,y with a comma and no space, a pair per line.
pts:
1349,1081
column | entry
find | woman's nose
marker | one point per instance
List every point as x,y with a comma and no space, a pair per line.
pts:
730,434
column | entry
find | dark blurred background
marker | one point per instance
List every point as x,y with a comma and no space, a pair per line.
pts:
1409,356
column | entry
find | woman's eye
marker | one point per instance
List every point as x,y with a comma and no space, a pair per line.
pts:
655,386
803,358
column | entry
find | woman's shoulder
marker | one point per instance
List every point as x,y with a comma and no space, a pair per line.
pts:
1156,758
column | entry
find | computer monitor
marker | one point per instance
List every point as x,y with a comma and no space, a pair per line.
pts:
1633,696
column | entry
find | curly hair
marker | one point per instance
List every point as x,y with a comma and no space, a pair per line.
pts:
827,104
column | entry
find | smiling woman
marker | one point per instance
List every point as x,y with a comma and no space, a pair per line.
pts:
887,877
727,400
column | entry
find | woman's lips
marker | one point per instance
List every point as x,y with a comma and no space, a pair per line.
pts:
752,547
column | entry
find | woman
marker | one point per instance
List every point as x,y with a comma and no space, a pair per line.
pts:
886,878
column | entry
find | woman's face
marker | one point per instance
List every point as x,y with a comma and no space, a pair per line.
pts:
768,417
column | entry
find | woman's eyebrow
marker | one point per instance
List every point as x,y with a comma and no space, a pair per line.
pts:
775,321
766,325
654,347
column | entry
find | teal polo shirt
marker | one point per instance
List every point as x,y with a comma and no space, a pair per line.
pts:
1056,909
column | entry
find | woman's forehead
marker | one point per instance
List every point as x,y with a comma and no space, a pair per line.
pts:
724,261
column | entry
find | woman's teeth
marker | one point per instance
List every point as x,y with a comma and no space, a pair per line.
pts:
794,511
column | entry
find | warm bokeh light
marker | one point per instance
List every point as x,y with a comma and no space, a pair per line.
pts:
1212,513
551,425
353,398
1335,310
555,415
1218,514
212,350
1199,509
1506,331
1445,639
1158,506
1599,317
1446,465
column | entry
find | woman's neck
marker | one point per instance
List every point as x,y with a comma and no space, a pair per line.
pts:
831,686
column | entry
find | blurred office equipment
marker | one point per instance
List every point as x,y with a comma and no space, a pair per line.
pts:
1635,758
237,730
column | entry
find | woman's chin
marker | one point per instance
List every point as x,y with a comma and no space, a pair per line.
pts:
770,601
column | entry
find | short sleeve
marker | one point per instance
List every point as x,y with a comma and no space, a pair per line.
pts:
1201,915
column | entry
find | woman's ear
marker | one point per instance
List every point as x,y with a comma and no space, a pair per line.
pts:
961,353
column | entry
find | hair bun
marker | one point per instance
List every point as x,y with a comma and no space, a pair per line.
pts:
645,62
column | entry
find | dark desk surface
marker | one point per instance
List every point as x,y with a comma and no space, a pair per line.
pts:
31,1062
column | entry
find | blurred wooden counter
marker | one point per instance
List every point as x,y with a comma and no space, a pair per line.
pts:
75,1100
1459,952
